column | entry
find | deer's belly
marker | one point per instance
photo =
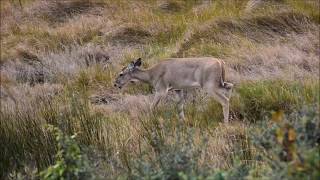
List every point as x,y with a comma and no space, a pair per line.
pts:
185,85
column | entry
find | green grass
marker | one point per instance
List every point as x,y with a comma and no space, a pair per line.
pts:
255,100
26,139
310,8
132,144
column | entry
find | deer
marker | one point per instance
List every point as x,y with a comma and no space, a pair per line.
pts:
179,75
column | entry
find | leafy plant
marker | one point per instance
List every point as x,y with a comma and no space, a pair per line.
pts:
290,145
70,162
176,159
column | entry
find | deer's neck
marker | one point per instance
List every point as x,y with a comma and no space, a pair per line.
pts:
142,75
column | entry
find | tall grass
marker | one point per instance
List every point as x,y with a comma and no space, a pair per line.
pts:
256,100
25,123
306,7
271,54
26,140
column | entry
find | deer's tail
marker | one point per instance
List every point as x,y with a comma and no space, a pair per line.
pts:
223,76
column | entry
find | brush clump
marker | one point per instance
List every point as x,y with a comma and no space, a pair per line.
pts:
59,60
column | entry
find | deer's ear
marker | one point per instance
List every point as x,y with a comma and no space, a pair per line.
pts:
138,62
131,65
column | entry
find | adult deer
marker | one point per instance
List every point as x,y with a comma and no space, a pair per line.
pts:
179,74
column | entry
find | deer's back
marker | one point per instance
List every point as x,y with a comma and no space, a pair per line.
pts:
183,72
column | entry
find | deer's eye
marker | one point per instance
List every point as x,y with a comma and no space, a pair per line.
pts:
120,75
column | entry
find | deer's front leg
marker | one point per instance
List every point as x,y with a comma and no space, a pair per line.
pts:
157,98
160,91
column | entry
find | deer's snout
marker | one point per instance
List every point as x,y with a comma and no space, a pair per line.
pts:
116,84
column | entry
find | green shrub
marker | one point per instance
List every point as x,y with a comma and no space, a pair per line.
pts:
173,159
70,162
289,146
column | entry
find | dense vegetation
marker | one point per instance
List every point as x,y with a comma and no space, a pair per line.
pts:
62,118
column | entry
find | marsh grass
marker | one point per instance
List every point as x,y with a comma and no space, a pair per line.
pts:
258,99
264,49
115,134
306,7
252,101
37,145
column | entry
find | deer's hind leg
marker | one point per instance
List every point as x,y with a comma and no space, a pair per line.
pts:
221,98
180,95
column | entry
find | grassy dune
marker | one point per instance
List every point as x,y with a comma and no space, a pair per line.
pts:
61,116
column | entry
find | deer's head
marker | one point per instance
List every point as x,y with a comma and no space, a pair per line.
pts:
125,75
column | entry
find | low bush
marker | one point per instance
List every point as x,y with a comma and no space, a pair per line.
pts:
70,163
289,145
171,160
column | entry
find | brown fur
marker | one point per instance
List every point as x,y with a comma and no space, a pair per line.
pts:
179,74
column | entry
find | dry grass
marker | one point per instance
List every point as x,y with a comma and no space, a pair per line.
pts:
55,67
292,59
59,60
